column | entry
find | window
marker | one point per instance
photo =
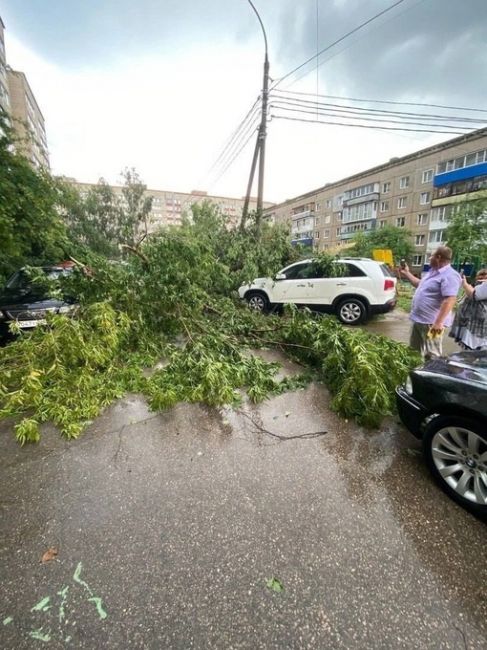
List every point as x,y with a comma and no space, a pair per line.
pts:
424,198
338,232
422,219
401,222
352,271
384,206
404,182
328,218
328,203
427,176
317,234
318,207
417,260
473,158
402,201
436,237
382,223
386,187
296,272
360,191
326,234
419,240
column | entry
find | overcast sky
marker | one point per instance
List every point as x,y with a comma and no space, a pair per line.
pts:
162,84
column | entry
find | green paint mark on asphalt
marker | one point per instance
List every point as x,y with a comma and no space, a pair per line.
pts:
93,598
39,635
42,605
275,584
64,594
8,620
99,607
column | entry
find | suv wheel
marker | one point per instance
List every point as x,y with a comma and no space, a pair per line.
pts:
456,453
351,311
257,301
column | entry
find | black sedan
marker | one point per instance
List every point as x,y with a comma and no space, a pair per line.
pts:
445,404
26,300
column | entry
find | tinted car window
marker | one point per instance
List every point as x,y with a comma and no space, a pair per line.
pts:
386,271
297,272
352,271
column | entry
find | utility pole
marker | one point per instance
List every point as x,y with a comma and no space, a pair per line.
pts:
259,151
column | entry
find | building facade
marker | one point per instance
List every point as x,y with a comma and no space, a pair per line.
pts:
4,93
416,192
27,119
169,207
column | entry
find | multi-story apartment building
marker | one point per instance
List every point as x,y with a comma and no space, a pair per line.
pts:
168,207
4,94
416,192
27,119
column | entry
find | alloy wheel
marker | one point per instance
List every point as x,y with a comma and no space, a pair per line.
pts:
460,456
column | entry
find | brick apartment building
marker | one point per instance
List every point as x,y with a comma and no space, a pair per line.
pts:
19,102
416,192
168,207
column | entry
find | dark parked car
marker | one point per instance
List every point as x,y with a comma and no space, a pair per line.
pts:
445,404
27,302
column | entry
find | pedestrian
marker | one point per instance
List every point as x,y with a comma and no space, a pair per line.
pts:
433,301
469,327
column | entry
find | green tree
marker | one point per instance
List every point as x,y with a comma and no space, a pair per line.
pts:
396,239
103,220
32,230
466,233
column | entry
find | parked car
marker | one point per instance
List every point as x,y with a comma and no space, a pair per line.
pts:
26,302
444,403
365,288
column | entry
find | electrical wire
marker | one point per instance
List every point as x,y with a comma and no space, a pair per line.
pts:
384,101
364,114
363,126
339,40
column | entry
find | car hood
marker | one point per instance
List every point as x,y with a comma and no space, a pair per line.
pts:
258,282
469,366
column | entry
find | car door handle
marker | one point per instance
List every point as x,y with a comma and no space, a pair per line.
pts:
300,285
341,284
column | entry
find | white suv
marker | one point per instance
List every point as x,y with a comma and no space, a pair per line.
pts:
366,288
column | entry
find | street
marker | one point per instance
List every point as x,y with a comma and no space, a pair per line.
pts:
199,528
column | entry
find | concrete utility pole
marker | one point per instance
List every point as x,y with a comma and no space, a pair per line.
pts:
259,151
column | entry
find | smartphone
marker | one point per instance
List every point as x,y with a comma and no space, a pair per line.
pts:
403,264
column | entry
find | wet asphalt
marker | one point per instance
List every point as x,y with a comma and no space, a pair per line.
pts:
171,528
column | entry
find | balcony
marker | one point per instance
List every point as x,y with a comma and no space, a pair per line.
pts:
373,196
303,214
462,174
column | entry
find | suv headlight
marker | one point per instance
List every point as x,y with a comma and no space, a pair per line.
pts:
2,316
65,309
409,385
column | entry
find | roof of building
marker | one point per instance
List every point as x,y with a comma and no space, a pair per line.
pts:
467,137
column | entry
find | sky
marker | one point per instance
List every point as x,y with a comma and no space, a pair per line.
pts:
161,85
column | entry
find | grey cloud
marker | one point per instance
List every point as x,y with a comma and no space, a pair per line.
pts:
433,49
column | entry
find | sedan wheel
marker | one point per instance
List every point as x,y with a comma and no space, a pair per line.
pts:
456,452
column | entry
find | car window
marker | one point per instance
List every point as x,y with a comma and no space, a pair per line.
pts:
352,271
297,272
386,271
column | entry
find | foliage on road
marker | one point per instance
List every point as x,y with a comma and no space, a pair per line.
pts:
171,301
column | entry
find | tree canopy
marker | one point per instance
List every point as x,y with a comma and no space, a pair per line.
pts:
390,237
466,233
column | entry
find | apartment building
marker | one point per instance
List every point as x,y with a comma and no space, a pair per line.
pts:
4,94
416,192
27,119
169,207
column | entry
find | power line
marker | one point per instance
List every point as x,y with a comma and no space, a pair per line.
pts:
339,40
384,101
363,126
235,156
359,111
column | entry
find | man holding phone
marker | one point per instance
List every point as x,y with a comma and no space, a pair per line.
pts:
433,302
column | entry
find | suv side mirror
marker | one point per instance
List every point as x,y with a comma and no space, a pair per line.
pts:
280,276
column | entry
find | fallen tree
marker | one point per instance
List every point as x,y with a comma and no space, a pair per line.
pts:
172,300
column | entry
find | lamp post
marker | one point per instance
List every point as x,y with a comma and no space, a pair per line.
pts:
259,150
